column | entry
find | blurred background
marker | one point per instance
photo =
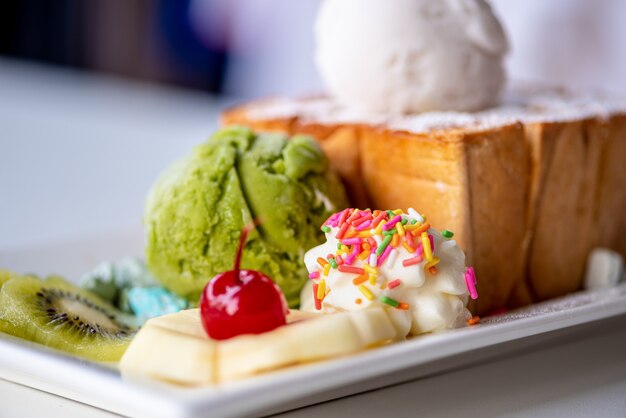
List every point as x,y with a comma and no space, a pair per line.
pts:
98,97
246,48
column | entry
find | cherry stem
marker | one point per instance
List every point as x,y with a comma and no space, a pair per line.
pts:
242,241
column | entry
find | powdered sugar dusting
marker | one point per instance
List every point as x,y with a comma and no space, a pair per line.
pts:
446,121
320,110
567,303
526,103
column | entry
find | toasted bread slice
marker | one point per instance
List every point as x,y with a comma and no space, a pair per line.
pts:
528,193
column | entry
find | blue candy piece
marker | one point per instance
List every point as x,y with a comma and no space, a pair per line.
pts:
150,302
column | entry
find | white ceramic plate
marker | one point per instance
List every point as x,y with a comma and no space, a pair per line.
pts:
102,386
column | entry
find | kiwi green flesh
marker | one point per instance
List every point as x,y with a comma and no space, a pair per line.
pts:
6,327
62,316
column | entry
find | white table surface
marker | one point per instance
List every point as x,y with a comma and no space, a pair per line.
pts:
77,155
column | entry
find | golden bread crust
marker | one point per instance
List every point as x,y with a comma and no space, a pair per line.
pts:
527,202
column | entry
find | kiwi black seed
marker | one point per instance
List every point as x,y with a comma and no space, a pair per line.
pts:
60,315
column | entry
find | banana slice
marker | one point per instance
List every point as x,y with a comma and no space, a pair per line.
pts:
173,348
176,349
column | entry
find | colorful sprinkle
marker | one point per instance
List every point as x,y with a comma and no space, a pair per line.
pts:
394,283
384,256
326,228
356,214
398,212
406,247
400,229
350,269
369,269
383,245
428,251
473,320
342,230
351,241
332,218
403,306
364,226
389,301
470,281
362,219
363,256
344,215
318,302
395,241
373,279
447,234
373,261
392,223
366,292
314,275
360,279
349,260
333,262
417,229
413,260
356,250
339,260
321,289
433,262
378,219
358,301
321,261
326,269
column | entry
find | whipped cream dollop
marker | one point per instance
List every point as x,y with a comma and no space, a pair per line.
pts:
394,260
407,56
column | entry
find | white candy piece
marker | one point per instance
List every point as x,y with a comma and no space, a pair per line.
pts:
605,269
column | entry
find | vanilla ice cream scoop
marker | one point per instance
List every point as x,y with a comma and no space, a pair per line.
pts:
406,56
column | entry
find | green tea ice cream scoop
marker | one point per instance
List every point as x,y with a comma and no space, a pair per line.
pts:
198,207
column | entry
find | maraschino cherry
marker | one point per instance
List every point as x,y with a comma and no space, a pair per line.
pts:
240,302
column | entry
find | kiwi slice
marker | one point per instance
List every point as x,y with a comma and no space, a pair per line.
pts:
6,327
58,314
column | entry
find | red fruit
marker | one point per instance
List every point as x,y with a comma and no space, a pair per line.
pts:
241,302
249,304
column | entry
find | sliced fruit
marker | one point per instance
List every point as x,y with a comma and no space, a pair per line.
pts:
175,348
6,327
320,337
185,322
57,314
